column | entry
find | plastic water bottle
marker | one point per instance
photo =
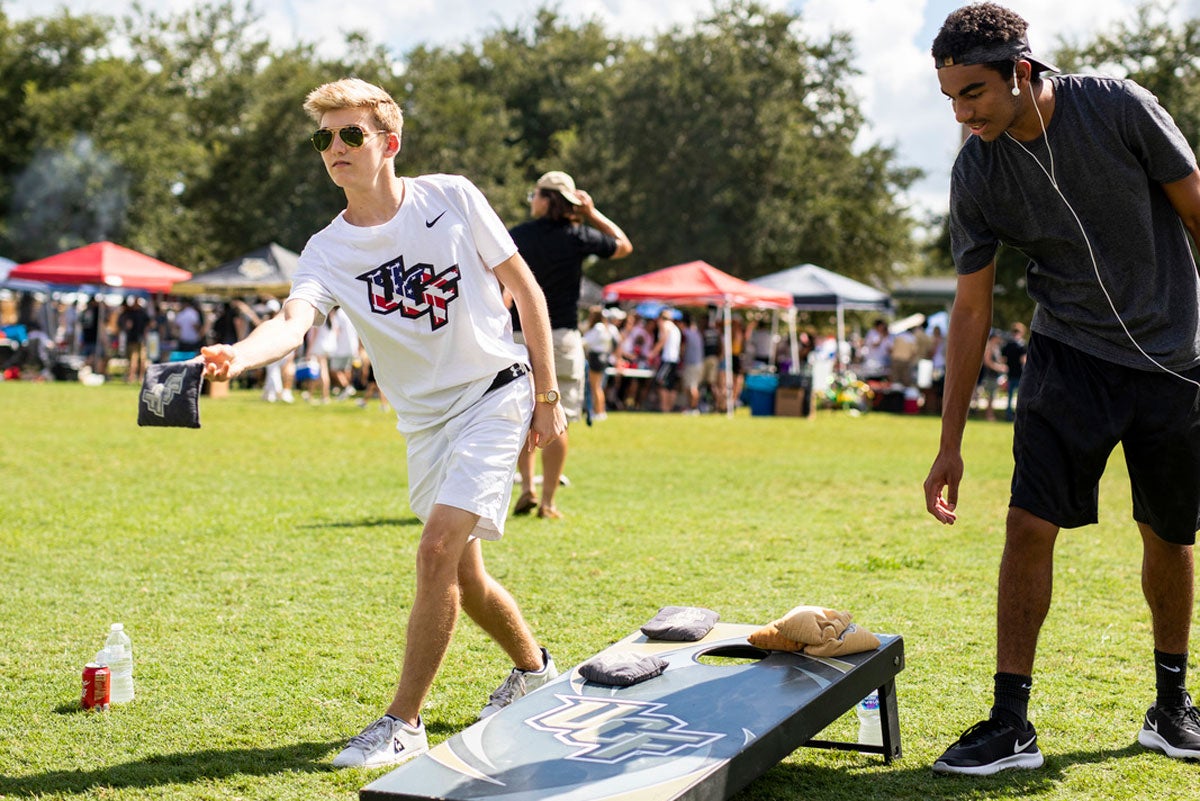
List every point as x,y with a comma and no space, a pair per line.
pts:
120,662
870,732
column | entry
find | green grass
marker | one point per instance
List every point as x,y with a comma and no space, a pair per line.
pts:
263,567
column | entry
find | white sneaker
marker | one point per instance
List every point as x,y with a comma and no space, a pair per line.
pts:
387,741
518,684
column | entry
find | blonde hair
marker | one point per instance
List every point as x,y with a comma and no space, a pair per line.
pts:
355,93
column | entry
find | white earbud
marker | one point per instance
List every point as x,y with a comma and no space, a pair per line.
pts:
1016,90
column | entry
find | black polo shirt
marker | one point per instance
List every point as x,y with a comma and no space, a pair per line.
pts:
555,252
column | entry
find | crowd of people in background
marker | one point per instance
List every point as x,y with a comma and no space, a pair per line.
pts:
674,360
93,338
915,356
648,358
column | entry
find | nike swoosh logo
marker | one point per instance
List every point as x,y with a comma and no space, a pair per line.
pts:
1019,746
433,222
1172,669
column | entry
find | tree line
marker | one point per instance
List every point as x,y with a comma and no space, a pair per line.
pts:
181,135
733,139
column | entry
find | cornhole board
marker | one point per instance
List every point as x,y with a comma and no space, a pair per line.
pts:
720,715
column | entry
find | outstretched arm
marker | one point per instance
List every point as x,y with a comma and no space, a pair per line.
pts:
270,341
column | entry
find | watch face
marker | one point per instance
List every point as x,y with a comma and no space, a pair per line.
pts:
551,397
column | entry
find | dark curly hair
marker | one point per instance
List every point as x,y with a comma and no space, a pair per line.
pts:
976,25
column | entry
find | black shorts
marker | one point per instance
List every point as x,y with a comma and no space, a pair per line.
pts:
667,375
597,362
1075,409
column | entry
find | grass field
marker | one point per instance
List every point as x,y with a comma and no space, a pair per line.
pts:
263,567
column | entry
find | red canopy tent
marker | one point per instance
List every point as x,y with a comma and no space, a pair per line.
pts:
699,283
103,263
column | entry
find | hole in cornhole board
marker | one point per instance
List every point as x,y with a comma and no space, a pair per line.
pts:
731,656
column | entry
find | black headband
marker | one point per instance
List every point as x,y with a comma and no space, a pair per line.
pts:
1013,50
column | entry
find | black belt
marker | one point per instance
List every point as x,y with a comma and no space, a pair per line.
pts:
507,376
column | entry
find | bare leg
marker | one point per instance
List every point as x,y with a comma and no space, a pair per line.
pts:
554,459
435,607
526,465
325,378
1168,584
598,399
494,610
1026,585
666,400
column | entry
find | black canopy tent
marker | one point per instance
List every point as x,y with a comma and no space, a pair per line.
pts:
265,271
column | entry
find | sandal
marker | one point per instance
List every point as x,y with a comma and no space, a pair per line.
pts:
525,504
549,513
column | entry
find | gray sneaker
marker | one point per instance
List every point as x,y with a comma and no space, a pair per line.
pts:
519,683
387,741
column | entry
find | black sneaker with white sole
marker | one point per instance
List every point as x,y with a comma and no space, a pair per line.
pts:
991,746
1174,731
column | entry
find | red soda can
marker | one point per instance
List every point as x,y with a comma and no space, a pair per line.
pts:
97,686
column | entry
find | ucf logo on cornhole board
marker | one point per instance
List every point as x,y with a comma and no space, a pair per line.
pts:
721,714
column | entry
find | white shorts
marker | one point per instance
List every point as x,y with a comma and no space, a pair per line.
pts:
470,461
570,367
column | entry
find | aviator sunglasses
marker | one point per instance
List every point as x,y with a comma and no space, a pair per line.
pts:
351,135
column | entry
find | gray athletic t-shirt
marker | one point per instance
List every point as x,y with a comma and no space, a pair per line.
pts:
1112,146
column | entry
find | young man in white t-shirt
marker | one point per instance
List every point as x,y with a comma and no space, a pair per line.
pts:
418,265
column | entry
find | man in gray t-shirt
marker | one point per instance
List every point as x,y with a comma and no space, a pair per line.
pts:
1090,179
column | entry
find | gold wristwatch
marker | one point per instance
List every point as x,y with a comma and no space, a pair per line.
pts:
549,396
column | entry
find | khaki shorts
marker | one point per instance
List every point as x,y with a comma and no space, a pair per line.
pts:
570,367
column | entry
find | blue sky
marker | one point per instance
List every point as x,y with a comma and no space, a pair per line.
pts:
898,89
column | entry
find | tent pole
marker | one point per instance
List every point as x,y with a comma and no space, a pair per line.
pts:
101,356
794,343
774,334
730,401
841,340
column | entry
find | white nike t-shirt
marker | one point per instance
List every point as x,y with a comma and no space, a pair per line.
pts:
421,293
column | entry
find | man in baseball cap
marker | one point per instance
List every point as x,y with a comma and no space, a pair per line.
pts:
565,228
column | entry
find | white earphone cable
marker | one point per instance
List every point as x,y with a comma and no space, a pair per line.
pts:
1088,242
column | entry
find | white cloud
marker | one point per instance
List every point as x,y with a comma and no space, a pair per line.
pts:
898,89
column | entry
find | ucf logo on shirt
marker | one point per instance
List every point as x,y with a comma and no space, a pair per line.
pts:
415,291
